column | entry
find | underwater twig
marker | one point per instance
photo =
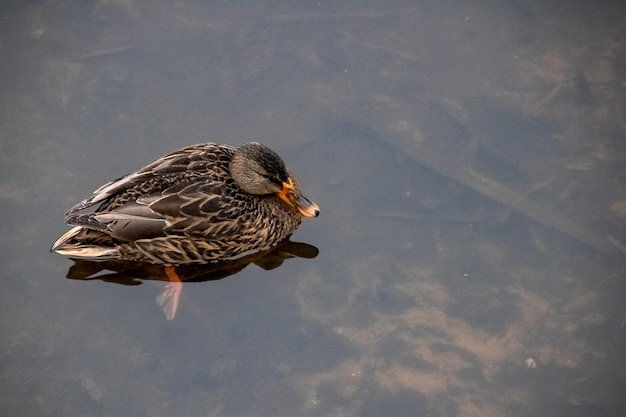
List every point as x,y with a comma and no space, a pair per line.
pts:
465,175
315,17
621,326
432,217
106,52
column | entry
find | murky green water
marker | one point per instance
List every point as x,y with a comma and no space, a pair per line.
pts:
469,166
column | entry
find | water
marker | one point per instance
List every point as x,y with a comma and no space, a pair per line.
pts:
427,297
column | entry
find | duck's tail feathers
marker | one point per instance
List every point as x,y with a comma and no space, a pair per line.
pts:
83,243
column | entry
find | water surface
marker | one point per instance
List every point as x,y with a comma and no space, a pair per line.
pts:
434,292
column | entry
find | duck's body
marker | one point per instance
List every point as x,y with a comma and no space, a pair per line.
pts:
202,203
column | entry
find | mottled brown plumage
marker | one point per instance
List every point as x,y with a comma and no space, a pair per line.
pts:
199,204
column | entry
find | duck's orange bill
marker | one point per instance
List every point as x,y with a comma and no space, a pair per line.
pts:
299,202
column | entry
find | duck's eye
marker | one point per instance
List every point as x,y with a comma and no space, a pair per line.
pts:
269,178
276,180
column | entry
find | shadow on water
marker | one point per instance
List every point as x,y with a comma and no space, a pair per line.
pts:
130,273
133,273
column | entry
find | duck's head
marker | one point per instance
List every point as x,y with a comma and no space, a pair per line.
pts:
259,170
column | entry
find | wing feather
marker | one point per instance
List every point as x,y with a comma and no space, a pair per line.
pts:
171,172
181,194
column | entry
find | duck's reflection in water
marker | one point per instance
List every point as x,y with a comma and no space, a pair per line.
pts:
132,273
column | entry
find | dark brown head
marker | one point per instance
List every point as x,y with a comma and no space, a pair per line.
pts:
259,170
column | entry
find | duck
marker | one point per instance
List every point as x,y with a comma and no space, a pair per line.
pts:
200,204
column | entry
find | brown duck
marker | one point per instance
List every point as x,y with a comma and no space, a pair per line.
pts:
199,204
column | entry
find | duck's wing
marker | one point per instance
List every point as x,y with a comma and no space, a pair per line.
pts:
203,208
130,222
165,172
208,210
